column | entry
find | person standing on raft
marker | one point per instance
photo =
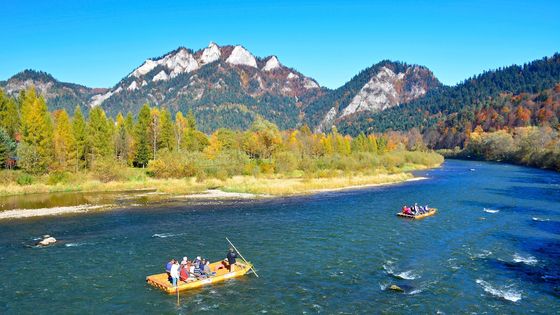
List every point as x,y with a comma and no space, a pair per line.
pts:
231,256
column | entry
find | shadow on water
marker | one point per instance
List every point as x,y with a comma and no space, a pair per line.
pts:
552,227
545,270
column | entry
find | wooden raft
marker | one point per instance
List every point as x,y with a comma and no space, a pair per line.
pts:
161,280
431,212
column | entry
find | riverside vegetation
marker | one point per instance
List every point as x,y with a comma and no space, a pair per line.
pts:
42,151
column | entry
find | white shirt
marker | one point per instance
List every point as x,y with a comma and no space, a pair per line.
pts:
174,271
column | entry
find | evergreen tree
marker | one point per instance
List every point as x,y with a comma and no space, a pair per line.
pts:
79,130
122,140
142,155
7,147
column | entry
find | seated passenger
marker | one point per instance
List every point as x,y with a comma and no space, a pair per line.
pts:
184,272
197,271
207,270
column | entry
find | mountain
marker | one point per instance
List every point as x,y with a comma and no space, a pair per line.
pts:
464,99
225,86
57,94
375,89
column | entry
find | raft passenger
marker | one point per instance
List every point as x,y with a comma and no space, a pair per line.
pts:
174,273
231,256
207,270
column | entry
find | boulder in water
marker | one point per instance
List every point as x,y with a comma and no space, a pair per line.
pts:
46,241
396,288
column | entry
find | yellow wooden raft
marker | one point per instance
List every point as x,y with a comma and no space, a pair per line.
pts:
161,280
420,216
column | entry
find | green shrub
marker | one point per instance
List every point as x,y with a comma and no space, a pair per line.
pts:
25,179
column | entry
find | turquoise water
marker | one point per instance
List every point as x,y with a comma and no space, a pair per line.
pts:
327,253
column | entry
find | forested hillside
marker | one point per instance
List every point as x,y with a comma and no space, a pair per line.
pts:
466,97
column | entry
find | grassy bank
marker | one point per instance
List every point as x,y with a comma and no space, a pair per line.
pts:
389,168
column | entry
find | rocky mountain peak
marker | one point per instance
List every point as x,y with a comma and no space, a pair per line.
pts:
241,56
271,64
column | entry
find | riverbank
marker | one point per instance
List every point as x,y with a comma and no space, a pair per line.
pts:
297,182
157,191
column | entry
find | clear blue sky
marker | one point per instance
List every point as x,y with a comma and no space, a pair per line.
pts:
98,42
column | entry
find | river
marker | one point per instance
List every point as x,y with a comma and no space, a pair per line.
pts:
493,247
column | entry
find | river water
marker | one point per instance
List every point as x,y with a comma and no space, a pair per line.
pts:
493,247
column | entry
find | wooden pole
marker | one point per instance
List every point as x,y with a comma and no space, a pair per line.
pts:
251,266
177,289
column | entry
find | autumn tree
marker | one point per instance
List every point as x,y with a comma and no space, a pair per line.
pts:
36,132
9,115
179,129
99,134
64,141
167,131
154,131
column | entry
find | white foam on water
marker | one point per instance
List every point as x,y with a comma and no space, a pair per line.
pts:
416,291
407,275
165,235
491,210
75,244
504,293
540,220
528,260
485,253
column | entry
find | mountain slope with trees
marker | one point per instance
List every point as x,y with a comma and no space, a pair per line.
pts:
466,98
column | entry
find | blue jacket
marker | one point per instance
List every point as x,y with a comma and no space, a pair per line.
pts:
231,257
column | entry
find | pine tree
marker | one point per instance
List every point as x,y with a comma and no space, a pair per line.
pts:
142,154
64,142
122,140
37,130
7,147
79,130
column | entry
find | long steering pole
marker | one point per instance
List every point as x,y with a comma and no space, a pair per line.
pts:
251,266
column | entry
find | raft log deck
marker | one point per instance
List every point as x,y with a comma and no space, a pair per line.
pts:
420,216
161,280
